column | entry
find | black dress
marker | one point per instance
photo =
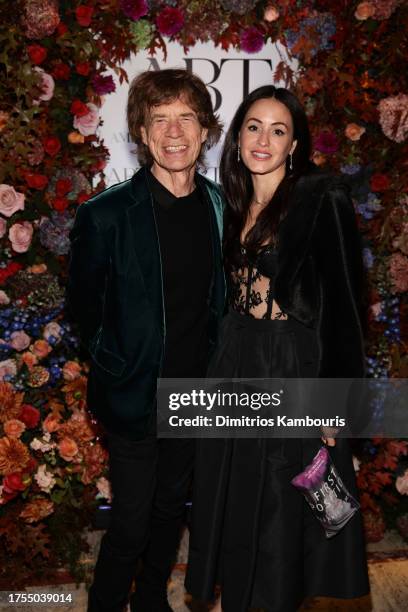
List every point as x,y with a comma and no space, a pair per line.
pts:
252,533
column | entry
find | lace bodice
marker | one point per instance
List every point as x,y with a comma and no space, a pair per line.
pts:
252,283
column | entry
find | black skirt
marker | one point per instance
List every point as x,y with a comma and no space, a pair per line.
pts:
252,532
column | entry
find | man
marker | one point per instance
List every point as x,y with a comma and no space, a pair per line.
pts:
146,286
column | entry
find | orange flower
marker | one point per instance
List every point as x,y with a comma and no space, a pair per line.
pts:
354,131
95,459
37,269
36,510
29,359
38,376
41,348
318,158
68,449
75,392
364,11
76,138
14,456
71,370
14,428
51,423
79,428
10,402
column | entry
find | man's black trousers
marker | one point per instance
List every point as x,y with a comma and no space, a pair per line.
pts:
150,480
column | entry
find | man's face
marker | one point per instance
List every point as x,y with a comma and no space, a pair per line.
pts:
174,136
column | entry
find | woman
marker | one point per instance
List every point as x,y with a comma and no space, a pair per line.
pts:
293,262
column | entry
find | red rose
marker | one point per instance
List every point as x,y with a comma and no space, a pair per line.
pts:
79,109
60,204
13,482
62,29
29,415
83,68
62,187
52,145
83,14
36,181
37,53
8,271
61,71
379,182
83,197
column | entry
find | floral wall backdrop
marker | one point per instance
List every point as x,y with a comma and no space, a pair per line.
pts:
53,61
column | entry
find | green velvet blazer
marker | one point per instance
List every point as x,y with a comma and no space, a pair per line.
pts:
115,293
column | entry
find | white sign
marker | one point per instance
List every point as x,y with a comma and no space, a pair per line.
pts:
229,76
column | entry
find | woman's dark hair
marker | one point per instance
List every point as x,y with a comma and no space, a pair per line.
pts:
236,178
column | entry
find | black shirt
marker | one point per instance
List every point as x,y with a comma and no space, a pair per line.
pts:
187,266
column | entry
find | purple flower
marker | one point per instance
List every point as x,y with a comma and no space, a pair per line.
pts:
103,84
326,142
134,9
350,169
252,40
170,21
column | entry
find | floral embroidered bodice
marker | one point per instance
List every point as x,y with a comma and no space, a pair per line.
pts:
252,283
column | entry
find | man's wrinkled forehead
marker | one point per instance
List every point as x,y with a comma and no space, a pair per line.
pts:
158,108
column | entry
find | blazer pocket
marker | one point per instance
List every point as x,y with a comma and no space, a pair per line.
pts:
109,361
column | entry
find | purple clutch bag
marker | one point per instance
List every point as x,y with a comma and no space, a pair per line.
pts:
324,491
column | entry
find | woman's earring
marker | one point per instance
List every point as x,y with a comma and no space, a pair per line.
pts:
239,153
290,162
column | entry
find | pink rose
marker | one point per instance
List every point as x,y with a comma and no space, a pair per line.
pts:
4,298
7,368
20,340
88,123
47,85
394,117
20,235
402,483
3,227
10,200
271,13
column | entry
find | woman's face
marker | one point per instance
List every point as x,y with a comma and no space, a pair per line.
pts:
266,137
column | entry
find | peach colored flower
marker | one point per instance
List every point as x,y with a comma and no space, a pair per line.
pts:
52,329
94,459
43,444
47,85
7,367
20,235
88,123
10,200
14,428
36,510
29,359
38,377
68,449
354,131
51,423
10,402
402,483
76,138
3,227
41,348
364,11
4,117
44,479
271,13
78,427
104,487
4,298
71,370
14,456
20,340
394,117
318,158
37,268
